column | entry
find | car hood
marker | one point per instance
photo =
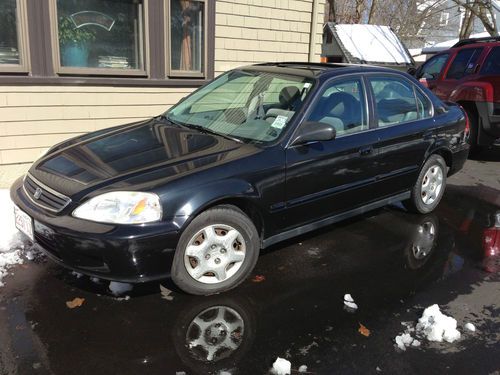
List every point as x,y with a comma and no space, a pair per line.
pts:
108,159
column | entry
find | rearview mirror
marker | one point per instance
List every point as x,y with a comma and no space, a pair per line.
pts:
313,131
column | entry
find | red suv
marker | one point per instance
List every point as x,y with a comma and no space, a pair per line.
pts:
469,74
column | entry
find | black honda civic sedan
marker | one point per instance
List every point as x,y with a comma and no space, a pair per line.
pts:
259,155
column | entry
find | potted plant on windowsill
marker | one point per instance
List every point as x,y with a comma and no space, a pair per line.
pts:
74,43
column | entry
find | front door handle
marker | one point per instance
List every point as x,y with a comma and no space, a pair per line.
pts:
364,151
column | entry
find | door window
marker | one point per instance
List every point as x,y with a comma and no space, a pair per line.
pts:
397,101
342,105
431,69
492,63
464,63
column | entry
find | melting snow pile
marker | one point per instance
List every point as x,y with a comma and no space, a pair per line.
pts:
10,239
436,326
282,367
433,325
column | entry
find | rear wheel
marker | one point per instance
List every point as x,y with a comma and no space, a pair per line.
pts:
430,186
475,148
216,252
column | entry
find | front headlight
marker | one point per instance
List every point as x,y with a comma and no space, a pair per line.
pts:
121,207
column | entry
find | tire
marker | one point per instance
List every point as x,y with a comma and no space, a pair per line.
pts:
475,148
206,261
420,200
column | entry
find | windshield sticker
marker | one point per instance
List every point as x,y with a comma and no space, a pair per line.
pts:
279,122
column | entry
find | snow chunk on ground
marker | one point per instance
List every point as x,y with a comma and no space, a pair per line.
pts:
119,288
470,327
404,340
349,302
282,367
303,368
348,298
436,326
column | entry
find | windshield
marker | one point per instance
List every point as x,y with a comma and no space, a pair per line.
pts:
250,106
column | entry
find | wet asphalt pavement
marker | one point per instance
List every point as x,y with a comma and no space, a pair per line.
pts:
393,263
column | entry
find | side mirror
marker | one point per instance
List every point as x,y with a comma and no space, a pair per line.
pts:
412,71
313,131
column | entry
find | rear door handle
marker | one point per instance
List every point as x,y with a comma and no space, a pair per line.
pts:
364,151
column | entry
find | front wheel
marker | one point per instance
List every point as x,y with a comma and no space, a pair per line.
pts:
216,252
430,186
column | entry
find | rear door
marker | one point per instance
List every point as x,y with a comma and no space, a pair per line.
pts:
464,66
405,130
325,178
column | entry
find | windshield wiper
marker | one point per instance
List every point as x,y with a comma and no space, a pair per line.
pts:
200,128
203,129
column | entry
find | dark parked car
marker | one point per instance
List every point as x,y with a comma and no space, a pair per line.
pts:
261,154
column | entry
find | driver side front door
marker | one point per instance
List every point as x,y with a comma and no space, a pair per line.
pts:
325,178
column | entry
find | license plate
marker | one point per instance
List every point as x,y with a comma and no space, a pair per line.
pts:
24,222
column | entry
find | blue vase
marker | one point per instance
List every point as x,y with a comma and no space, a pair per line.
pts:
75,55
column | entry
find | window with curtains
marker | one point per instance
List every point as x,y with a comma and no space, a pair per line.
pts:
12,42
187,37
100,35
108,42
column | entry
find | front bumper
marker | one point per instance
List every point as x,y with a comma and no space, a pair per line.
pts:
126,253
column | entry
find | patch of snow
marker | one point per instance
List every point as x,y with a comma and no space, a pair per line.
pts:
11,237
437,326
303,368
378,369
470,327
118,288
10,240
282,367
95,280
373,43
6,261
77,274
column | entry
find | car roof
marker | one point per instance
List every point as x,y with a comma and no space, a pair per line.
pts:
316,70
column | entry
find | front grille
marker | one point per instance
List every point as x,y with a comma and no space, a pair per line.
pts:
43,196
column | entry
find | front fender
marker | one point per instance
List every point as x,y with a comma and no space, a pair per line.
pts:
194,201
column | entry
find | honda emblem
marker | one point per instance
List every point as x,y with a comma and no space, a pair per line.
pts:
38,193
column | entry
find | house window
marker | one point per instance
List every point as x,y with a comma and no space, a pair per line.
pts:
444,18
12,36
100,36
187,28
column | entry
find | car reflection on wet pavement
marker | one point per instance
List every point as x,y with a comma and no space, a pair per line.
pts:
393,263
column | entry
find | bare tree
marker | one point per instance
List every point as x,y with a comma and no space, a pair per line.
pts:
483,10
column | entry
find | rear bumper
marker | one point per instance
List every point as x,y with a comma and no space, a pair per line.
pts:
127,253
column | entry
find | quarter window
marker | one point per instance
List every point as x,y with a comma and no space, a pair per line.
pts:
100,34
464,63
492,63
342,105
187,37
431,69
397,101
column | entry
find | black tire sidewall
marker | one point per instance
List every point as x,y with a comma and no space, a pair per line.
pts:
217,215
417,202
